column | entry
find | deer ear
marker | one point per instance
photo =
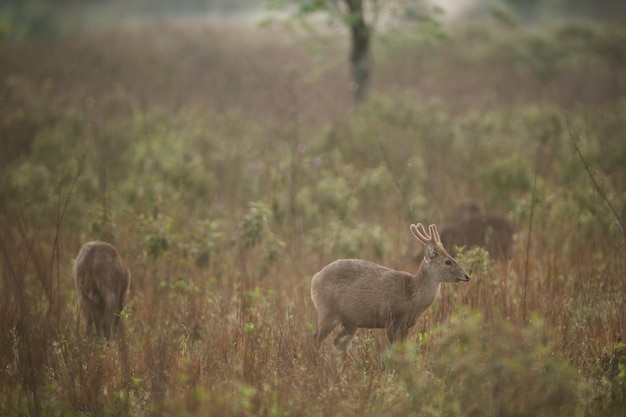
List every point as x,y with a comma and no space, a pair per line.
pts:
430,250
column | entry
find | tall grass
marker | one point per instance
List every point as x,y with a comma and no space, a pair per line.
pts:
226,180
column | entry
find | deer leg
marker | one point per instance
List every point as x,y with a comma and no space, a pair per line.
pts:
106,329
99,324
343,338
397,331
91,326
325,325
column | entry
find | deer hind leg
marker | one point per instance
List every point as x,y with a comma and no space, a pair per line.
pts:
99,320
116,326
344,337
397,331
107,326
99,325
91,325
325,325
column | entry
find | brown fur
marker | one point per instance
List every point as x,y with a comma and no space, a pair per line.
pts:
102,283
360,294
464,211
469,226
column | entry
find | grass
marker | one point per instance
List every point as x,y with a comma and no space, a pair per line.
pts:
226,181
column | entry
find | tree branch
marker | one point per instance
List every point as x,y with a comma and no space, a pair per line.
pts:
593,180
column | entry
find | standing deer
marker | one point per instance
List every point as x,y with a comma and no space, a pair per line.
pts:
361,294
102,283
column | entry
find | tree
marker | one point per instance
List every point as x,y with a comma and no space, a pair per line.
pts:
360,53
362,18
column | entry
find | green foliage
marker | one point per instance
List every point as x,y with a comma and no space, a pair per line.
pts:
28,18
338,239
256,231
520,372
476,262
334,195
609,373
206,242
505,178
255,224
541,54
510,371
155,231
36,182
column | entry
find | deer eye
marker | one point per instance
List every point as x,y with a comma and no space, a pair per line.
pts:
448,262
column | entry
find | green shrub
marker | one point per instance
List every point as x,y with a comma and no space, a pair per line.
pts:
610,374
504,179
479,368
349,240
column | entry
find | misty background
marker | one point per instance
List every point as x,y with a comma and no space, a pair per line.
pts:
54,18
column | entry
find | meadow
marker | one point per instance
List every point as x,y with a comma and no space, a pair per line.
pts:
228,165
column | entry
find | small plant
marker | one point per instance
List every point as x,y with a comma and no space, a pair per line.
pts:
255,224
505,178
256,232
610,371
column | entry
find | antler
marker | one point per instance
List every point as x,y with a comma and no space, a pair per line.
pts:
432,236
420,233
434,233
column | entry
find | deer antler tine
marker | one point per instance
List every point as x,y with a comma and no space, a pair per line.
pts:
416,233
434,233
427,236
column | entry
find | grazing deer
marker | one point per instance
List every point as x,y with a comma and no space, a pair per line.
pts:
361,294
469,226
102,283
463,211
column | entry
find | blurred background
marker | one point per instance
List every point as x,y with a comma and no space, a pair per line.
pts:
50,18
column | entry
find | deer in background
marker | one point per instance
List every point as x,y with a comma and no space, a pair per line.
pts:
102,283
468,226
360,294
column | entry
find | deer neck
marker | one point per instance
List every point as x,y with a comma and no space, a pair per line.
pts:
427,286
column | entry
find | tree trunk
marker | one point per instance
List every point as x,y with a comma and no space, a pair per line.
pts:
360,53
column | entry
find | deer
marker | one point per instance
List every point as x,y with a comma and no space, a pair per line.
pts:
102,284
464,211
468,226
361,294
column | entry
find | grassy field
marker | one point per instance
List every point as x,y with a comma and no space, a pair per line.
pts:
227,166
